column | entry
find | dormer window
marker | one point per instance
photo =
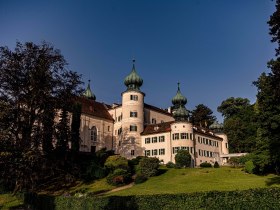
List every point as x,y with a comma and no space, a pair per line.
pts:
156,128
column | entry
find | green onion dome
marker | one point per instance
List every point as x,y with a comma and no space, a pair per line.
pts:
88,93
179,99
133,81
181,114
216,126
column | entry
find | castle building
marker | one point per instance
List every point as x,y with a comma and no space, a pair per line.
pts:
134,128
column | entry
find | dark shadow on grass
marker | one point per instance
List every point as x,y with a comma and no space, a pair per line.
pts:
161,171
272,181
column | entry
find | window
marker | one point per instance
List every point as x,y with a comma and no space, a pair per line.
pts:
93,134
191,136
133,128
119,131
132,152
93,149
154,140
210,142
154,121
108,128
134,97
183,135
133,114
226,145
203,140
161,139
199,140
147,140
206,141
199,152
147,152
154,152
175,136
192,150
184,148
161,151
175,149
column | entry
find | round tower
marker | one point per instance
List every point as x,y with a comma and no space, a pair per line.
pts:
182,136
217,128
132,115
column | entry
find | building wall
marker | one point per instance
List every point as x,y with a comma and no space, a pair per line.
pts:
208,149
154,117
104,134
130,142
181,138
154,146
224,143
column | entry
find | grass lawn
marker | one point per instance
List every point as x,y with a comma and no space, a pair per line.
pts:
197,180
8,201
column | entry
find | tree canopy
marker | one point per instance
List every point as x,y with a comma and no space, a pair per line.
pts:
202,116
35,84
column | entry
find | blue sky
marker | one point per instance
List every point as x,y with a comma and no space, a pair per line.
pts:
214,48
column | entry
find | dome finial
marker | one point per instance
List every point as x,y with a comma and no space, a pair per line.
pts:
88,93
178,83
133,81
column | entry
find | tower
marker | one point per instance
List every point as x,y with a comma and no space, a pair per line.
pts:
182,136
132,115
218,130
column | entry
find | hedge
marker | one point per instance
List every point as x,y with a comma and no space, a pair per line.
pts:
262,198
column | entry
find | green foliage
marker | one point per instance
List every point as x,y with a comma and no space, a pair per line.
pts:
266,198
268,100
133,164
205,165
119,177
183,158
249,167
115,162
202,116
239,124
148,166
170,165
34,83
216,165
75,126
140,178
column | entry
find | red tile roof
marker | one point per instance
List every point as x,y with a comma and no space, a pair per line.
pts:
94,108
157,128
148,106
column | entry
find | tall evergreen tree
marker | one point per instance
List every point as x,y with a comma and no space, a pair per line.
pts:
202,116
268,99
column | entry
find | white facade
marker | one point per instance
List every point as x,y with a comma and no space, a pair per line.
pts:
134,128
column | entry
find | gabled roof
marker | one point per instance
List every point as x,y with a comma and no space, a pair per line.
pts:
94,108
157,128
205,131
148,106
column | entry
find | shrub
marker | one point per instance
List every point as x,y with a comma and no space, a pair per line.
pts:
119,177
140,178
170,165
133,163
216,165
265,198
115,162
249,167
183,158
148,166
205,165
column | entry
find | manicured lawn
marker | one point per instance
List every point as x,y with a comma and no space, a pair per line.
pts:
197,180
8,201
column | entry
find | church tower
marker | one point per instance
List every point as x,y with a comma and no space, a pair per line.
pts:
132,115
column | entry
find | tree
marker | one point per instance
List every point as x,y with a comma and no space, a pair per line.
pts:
202,116
34,84
268,99
232,106
239,124
148,166
183,158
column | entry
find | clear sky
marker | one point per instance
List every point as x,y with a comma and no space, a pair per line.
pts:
214,48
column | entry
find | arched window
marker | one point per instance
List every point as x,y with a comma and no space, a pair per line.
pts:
93,133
